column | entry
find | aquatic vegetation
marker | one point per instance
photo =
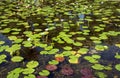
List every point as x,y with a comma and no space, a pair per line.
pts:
51,67
101,74
86,72
14,73
67,70
13,48
101,47
41,77
17,58
28,71
44,73
2,42
93,58
74,59
32,64
59,57
118,45
98,67
67,48
2,58
117,66
117,56
62,30
30,76
82,51
53,62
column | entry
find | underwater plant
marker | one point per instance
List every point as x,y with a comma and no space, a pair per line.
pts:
67,70
51,67
41,77
86,72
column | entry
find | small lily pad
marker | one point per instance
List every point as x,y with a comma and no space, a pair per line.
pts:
44,73
28,71
17,59
53,62
32,64
117,66
98,67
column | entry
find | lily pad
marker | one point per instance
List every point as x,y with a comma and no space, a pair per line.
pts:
32,64
30,76
117,66
28,71
44,73
17,59
53,62
98,67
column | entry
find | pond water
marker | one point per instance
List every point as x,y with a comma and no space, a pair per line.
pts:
80,38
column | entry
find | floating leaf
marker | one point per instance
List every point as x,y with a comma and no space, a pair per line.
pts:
32,64
28,71
96,56
30,76
77,44
44,73
117,66
53,62
98,67
2,42
14,73
117,56
74,60
17,59
100,47
118,45
101,75
82,50
2,58
67,48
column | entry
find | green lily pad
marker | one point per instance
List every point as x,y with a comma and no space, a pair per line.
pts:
13,48
30,76
17,59
14,73
28,71
44,73
100,47
101,75
32,64
83,50
90,59
2,42
67,48
48,47
74,60
117,66
81,38
96,56
12,37
53,62
2,58
117,56
98,67
118,45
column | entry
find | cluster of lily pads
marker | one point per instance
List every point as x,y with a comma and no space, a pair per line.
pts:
66,30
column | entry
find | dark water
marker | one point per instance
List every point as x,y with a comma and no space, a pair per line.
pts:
107,56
